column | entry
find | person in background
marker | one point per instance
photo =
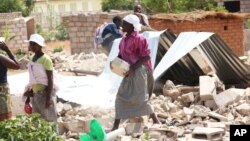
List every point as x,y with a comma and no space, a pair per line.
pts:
132,99
5,64
111,32
143,18
41,85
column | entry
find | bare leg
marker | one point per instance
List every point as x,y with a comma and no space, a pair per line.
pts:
116,124
154,118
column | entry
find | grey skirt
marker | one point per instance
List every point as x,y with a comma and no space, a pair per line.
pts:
132,99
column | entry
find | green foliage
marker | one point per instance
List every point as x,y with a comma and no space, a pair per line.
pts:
6,34
58,49
60,32
19,53
107,5
28,128
161,6
29,5
248,23
57,31
25,7
155,6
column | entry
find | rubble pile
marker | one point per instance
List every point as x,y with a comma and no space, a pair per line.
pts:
186,113
89,62
74,63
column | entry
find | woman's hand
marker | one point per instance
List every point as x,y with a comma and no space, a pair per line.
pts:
131,71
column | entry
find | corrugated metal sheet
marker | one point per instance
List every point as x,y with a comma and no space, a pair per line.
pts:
227,66
186,70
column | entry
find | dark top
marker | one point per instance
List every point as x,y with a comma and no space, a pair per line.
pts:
113,29
3,73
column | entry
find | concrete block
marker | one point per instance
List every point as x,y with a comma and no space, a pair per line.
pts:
189,97
124,138
207,87
162,134
244,109
214,134
134,128
216,125
228,97
211,104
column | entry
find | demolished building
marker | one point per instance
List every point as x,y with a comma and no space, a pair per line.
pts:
177,59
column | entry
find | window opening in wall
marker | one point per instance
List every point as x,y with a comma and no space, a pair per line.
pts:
225,27
232,6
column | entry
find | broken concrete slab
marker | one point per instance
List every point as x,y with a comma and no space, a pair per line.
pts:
134,128
188,97
217,116
244,109
228,97
211,104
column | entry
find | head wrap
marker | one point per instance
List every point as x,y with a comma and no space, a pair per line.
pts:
134,20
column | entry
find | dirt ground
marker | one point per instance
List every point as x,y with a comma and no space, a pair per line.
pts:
56,44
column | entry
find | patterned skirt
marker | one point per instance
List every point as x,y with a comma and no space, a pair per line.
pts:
5,102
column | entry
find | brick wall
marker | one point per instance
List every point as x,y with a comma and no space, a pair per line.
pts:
9,16
245,6
17,26
230,30
82,29
18,29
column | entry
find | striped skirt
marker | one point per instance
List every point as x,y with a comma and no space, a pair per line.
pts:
5,102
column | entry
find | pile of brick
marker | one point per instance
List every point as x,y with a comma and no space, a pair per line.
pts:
201,112
83,62
91,62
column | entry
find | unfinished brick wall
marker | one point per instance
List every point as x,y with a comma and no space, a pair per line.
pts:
82,29
230,29
9,16
17,28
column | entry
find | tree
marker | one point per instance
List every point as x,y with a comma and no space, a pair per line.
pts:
107,5
176,6
24,6
162,6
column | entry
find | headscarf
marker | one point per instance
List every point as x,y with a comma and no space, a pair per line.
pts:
134,20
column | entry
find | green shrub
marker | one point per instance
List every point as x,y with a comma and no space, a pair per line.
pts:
28,128
107,5
59,33
19,53
58,49
248,23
